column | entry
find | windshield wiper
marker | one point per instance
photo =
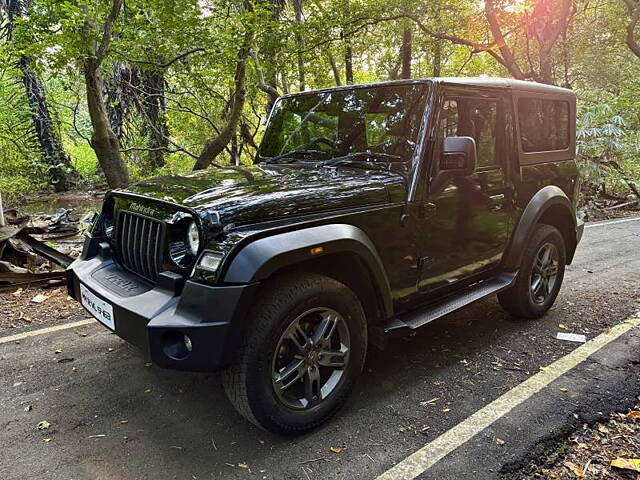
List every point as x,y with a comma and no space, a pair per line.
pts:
350,157
289,159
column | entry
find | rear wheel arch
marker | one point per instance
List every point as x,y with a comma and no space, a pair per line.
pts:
560,217
549,206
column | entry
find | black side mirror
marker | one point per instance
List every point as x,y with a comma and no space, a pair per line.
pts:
459,155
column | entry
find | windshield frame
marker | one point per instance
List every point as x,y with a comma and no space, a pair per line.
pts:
419,140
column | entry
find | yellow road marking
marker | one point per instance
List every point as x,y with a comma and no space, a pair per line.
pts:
427,456
42,331
611,222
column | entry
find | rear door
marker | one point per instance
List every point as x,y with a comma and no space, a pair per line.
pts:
468,230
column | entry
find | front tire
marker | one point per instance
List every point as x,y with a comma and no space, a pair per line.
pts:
540,275
304,350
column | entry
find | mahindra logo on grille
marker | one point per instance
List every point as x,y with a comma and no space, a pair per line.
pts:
123,283
143,209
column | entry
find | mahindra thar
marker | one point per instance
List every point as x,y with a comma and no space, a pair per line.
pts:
369,212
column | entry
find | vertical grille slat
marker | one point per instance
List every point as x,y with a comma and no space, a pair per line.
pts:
139,244
156,247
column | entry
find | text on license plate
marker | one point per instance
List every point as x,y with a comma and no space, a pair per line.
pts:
103,311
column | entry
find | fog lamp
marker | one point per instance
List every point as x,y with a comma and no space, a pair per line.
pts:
210,261
176,345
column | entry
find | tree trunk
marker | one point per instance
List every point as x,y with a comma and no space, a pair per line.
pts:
62,173
634,13
103,140
217,144
334,69
508,58
405,51
437,58
155,125
348,62
119,96
297,8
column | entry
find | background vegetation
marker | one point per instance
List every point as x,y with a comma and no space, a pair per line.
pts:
112,91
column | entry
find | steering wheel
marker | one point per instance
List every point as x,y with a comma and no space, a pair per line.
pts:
326,141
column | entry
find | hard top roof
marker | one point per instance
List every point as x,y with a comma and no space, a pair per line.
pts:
509,83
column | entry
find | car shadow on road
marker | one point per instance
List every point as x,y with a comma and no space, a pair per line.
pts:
409,393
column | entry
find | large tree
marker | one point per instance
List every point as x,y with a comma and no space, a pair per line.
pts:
61,172
97,40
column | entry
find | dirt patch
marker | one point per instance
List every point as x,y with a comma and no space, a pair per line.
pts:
588,452
36,306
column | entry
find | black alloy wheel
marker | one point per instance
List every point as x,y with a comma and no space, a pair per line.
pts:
303,352
539,277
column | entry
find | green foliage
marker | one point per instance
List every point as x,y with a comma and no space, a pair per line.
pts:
194,45
608,154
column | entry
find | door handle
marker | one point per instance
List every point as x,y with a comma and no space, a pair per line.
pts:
496,201
427,209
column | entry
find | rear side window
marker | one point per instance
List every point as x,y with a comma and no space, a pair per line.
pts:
544,124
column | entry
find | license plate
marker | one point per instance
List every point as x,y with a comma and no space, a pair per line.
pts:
103,311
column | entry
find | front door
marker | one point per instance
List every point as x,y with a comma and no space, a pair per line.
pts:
467,230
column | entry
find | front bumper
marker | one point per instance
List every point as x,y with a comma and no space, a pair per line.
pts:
149,317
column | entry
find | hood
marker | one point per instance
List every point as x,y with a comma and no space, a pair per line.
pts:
260,192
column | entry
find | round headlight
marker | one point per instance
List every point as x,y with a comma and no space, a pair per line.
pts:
193,238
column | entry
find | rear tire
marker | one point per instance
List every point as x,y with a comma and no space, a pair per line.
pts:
540,275
304,349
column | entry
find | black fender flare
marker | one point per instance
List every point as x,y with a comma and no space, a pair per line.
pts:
541,202
261,258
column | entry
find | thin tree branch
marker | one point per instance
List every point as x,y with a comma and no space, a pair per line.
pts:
107,32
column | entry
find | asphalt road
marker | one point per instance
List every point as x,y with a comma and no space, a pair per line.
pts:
112,416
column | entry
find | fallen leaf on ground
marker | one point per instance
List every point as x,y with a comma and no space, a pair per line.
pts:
632,464
124,420
43,425
564,389
17,293
336,449
46,440
147,390
575,469
634,414
39,298
28,408
499,441
243,465
58,351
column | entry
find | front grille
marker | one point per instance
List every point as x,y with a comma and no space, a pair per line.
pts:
139,243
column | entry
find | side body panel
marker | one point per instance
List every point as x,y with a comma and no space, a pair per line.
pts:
375,235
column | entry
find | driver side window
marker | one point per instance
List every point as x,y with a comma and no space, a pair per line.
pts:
476,118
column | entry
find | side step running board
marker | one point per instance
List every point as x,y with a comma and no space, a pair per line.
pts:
409,322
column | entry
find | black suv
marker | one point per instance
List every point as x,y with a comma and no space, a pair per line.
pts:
370,211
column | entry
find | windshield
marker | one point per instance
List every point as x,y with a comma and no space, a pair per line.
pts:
383,121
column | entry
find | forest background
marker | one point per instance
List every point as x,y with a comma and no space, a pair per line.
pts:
100,94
